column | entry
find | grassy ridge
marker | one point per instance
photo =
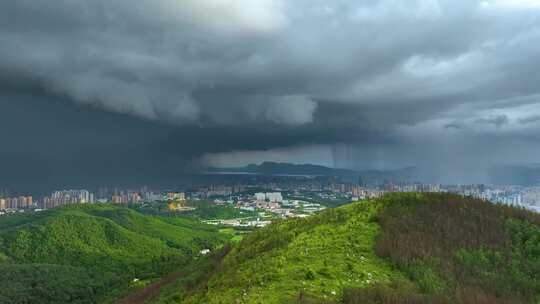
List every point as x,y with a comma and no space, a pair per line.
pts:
315,258
100,241
402,248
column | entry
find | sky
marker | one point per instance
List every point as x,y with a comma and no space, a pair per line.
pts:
121,90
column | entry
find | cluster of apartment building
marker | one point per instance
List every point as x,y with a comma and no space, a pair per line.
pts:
20,202
175,196
274,203
268,200
362,193
67,197
213,190
127,198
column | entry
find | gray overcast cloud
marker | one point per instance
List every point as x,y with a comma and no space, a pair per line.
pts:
449,86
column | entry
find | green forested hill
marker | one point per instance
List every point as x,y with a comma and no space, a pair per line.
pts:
84,253
403,248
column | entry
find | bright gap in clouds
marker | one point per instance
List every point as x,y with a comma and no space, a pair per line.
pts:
533,3
512,3
233,15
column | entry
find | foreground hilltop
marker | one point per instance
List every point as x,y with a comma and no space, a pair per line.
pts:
92,253
403,248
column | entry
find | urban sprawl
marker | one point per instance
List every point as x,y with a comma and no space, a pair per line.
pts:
296,197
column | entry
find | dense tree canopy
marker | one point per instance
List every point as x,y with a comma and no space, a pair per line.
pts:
88,254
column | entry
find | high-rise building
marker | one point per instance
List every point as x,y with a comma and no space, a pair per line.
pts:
119,199
21,202
66,197
260,197
134,198
274,197
13,203
176,196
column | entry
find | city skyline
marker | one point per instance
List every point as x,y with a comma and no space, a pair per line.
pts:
267,192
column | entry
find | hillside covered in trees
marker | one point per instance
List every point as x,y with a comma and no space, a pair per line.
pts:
93,253
402,248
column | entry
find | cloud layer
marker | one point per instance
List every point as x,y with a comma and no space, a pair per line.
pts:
371,74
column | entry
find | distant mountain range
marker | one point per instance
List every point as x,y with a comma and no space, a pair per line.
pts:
274,168
524,175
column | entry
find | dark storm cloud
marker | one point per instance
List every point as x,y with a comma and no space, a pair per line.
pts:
209,76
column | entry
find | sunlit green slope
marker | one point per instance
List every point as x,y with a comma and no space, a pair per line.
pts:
317,257
403,248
